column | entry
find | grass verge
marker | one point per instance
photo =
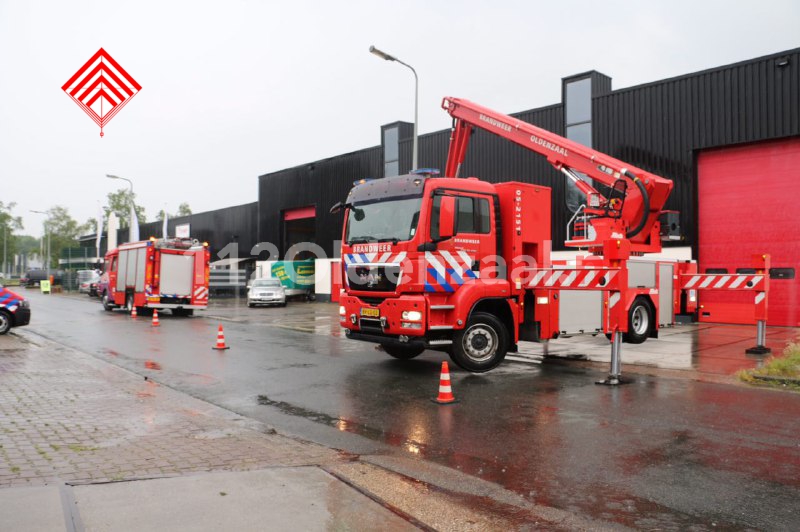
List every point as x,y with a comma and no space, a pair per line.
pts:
777,372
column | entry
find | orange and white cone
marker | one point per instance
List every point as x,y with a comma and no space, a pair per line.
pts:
445,390
133,312
155,318
220,339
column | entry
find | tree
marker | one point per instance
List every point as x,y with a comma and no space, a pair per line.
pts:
88,228
183,210
119,203
8,224
63,232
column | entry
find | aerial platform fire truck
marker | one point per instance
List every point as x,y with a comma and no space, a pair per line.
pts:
464,266
166,273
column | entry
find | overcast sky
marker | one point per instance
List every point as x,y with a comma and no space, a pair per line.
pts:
232,90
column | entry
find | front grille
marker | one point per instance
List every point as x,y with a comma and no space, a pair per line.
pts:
373,277
370,325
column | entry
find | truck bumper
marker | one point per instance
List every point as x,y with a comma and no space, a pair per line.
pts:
427,343
386,317
384,324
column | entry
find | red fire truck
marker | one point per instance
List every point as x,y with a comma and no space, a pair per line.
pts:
169,273
463,266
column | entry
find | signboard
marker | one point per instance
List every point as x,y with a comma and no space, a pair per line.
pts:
182,231
44,286
294,275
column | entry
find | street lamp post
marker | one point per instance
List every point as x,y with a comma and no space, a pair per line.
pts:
387,57
133,207
47,232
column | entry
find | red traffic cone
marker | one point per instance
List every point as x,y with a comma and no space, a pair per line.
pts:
220,339
155,318
445,390
133,312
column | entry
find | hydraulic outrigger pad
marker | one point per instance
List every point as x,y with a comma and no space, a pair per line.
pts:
615,375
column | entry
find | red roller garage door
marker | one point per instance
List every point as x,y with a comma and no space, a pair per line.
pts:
748,204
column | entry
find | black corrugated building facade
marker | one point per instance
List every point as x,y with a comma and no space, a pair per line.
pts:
658,126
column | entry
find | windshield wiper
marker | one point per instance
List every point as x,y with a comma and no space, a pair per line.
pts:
393,240
362,240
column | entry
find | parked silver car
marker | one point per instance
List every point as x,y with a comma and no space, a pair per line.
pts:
266,292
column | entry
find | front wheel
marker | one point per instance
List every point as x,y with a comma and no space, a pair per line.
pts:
5,322
107,302
403,352
481,345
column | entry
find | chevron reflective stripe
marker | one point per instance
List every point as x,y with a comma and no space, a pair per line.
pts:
445,271
200,292
372,258
613,299
760,297
722,282
572,278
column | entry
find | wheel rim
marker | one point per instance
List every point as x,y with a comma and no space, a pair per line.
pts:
4,322
640,320
480,343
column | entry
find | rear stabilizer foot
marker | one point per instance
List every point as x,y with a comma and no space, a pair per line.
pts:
758,350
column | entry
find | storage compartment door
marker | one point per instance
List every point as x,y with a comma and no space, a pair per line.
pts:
176,274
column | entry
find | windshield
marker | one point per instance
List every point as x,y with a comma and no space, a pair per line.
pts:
383,221
267,282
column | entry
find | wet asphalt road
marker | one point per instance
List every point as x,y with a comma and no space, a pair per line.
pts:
657,453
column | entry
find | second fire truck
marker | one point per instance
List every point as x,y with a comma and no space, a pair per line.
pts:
166,273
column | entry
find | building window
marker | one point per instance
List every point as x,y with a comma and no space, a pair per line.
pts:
579,101
581,133
578,119
391,152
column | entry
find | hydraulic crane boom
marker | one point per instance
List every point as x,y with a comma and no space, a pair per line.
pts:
629,212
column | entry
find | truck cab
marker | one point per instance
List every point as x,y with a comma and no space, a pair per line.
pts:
423,264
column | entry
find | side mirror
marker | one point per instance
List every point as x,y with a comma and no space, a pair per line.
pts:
337,207
447,218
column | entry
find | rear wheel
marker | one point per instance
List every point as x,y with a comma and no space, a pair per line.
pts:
640,322
403,352
5,321
481,345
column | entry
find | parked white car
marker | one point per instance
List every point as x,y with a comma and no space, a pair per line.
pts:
266,292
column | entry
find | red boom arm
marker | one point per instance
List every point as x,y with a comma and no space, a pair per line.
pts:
643,202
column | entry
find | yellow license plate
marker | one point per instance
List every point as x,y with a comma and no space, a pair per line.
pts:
370,312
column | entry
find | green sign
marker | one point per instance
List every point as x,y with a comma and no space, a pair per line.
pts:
44,286
294,275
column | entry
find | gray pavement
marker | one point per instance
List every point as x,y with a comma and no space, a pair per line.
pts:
86,445
530,444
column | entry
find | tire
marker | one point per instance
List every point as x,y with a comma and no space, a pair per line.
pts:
403,352
481,345
283,304
5,321
106,303
251,305
640,322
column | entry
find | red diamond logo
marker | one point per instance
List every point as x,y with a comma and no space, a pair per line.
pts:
101,88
